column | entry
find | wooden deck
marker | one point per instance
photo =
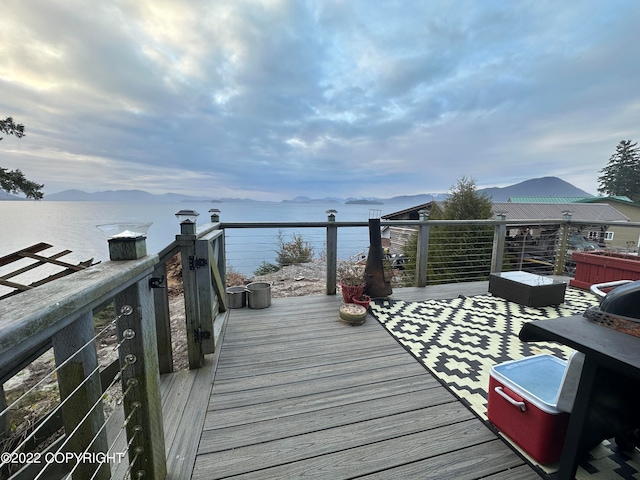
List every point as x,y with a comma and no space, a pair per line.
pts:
297,393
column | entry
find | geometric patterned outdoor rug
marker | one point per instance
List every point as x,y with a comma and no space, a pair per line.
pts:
460,339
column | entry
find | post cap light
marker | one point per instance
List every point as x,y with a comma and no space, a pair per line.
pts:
215,214
127,241
187,216
125,230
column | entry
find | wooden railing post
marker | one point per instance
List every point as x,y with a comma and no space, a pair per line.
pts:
5,426
211,290
163,319
141,382
561,248
81,370
499,238
332,252
187,242
138,353
422,253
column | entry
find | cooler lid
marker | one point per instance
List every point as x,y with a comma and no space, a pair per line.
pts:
537,378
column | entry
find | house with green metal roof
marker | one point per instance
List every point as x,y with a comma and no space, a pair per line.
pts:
615,238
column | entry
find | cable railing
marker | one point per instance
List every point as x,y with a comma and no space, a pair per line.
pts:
425,252
105,418
58,454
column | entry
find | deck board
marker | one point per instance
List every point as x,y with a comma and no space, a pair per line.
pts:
297,393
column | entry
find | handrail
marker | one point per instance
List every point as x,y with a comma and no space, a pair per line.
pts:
30,319
414,223
60,314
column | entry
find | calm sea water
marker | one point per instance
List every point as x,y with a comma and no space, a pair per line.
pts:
72,225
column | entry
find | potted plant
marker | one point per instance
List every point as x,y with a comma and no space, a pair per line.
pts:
351,281
364,300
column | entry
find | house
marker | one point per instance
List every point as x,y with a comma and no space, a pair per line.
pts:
612,237
395,238
533,211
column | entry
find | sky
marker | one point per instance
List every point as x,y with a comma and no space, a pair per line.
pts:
273,99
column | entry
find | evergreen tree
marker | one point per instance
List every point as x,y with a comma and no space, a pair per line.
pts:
14,181
465,203
458,253
10,128
621,176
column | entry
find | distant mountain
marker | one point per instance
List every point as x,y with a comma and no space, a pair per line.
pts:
313,200
131,196
417,199
537,187
7,196
363,202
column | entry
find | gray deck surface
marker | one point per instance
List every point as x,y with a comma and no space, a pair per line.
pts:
297,393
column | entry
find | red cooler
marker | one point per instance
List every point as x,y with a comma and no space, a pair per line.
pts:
522,403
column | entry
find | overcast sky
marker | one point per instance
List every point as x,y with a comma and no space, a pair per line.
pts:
271,99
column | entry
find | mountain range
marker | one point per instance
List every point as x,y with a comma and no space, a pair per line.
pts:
537,187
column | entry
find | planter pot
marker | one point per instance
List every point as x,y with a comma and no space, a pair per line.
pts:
364,300
236,297
603,267
350,291
259,294
352,314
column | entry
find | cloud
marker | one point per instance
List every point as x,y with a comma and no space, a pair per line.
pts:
281,98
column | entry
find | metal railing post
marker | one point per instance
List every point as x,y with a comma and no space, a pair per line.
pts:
422,253
332,252
499,238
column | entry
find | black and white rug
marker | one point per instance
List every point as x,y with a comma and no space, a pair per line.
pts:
460,339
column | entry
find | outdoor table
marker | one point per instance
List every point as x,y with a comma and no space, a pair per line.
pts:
608,396
527,288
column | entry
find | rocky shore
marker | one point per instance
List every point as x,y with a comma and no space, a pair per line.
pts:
297,280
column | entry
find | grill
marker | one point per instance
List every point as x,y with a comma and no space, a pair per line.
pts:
619,309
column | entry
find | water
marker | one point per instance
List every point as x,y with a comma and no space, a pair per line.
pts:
72,225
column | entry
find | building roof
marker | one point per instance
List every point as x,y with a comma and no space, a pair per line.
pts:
584,212
620,198
403,214
548,199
